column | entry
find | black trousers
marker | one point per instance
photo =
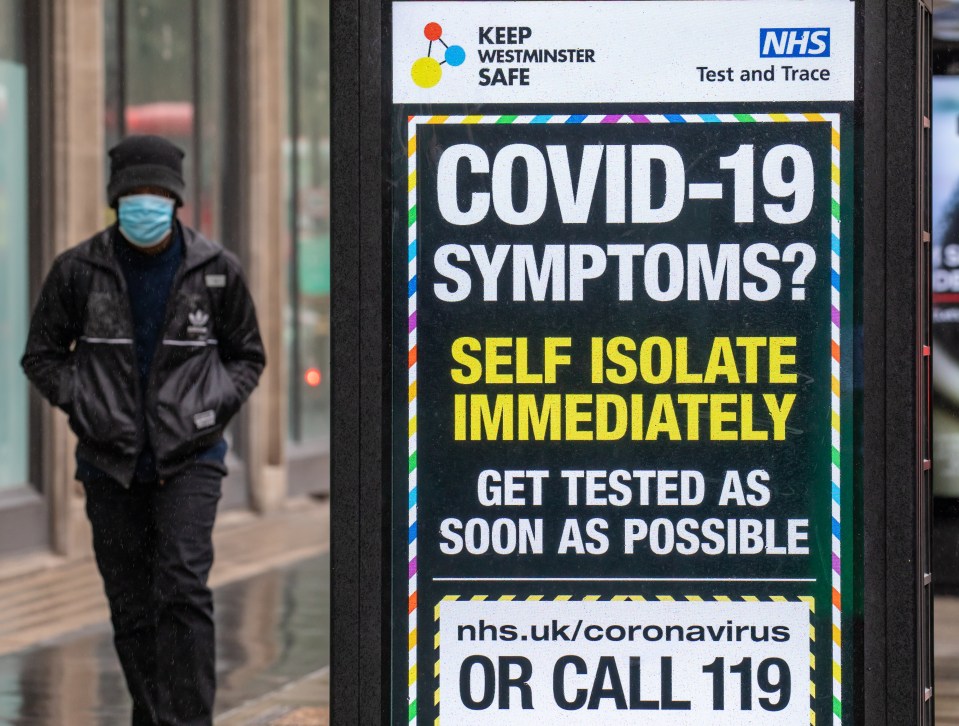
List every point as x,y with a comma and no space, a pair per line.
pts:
154,548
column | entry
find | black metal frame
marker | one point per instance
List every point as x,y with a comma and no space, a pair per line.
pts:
360,360
896,638
892,635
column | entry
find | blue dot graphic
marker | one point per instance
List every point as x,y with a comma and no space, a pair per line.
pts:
455,55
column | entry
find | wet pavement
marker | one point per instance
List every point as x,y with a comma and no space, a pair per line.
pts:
272,630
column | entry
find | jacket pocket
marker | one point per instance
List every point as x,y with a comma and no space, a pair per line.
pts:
102,409
194,403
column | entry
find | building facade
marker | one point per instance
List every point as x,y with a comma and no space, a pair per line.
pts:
243,87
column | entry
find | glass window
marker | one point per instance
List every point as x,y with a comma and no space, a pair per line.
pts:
14,271
307,154
158,78
112,115
164,74
210,101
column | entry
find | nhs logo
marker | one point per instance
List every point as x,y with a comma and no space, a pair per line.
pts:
794,42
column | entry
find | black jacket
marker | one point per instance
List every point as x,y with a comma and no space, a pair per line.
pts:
80,355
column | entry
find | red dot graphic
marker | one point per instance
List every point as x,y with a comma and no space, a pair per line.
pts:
433,31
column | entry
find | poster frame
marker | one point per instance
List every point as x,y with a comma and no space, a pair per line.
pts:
892,624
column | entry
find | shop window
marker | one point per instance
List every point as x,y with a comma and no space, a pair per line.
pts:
210,102
164,75
307,157
14,271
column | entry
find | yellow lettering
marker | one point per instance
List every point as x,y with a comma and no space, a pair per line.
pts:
596,359
722,362
779,412
636,425
498,423
553,358
662,419
459,417
746,430
692,401
574,417
717,416
522,364
548,415
752,346
474,369
778,359
494,360
682,363
603,402
614,349
665,360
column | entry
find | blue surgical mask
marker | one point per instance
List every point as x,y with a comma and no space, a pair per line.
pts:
145,219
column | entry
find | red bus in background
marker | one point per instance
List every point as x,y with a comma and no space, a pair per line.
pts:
174,121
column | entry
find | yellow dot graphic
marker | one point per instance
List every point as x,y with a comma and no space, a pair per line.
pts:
426,72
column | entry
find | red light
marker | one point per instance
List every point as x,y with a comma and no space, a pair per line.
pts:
312,377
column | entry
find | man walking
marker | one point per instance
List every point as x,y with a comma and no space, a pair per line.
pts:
146,336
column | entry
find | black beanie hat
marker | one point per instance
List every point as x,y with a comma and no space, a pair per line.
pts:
140,161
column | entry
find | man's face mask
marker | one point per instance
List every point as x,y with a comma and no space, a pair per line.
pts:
145,219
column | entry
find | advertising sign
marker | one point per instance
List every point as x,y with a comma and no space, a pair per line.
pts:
622,269
945,283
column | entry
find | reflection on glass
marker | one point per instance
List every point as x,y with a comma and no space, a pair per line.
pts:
158,78
307,155
165,74
111,71
210,100
14,302
155,85
11,30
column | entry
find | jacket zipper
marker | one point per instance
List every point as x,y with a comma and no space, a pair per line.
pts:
128,309
143,398
149,393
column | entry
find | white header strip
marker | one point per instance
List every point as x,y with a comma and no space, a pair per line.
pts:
622,52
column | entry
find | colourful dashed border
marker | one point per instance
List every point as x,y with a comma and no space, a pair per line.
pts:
810,602
833,120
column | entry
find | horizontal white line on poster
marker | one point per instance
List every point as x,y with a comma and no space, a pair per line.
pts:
624,579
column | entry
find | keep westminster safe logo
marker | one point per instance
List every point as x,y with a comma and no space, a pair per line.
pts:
427,71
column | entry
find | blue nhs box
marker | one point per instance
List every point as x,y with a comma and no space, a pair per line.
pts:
794,42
